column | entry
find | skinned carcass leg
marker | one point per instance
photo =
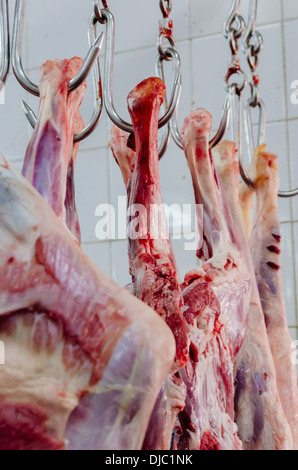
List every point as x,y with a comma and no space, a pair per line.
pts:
51,154
259,412
265,248
155,278
266,253
216,298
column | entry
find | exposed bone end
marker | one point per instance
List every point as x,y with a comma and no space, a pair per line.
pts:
123,155
197,124
148,94
225,159
61,70
265,168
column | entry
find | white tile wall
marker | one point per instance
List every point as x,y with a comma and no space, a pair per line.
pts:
290,9
59,29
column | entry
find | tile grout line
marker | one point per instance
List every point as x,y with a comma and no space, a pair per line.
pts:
288,153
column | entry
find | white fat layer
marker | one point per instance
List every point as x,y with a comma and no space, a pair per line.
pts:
41,378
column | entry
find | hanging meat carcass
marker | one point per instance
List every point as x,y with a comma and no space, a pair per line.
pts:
51,153
155,278
266,253
84,359
265,245
259,413
216,298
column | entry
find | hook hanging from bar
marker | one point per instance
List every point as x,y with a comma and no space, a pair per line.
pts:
234,33
97,10
166,33
108,82
4,42
252,45
98,105
18,69
236,80
166,10
166,55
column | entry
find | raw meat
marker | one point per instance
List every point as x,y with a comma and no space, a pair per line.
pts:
246,196
51,153
258,411
84,364
155,278
216,298
265,245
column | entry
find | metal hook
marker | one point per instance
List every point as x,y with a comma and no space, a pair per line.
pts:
288,194
165,132
237,117
166,10
4,42
251,24
84,133
97,87
234,16
19,72
224,124
97,10
261,139
108,85
248,126
252,50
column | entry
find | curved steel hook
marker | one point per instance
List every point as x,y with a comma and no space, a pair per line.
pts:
18,69
261,139
166,10
237,118
4,42
84,133
97,87
165,131
251,24
252,50
288,194
108,85
165,140
224,124
248,126
97,9
231,18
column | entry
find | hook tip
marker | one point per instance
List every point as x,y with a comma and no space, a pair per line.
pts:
29,113
99,41
25,106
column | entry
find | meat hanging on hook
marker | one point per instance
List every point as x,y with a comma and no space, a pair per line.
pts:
26,83
98,102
